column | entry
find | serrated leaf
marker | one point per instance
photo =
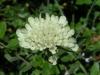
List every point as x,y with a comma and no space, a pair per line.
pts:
2,29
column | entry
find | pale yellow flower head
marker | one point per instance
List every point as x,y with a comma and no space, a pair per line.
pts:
49,32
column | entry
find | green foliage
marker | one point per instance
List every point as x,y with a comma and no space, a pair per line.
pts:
83,16
2,29
24,68
1,72
10,58
37,60
51,9
80,2
1,1
36,72
12,44
69,57
98,2
95,70
87,33
98,28
95,46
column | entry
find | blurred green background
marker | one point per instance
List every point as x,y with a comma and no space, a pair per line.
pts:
82,15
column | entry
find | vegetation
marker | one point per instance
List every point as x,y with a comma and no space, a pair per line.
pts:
82,15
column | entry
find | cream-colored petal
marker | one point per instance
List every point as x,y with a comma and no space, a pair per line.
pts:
70,33
53,50
28,27
75,48
63,21
53,59
71,40
54,19
31,21
47,17
21,33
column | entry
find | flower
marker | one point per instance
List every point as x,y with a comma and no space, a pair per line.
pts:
49,32
53,59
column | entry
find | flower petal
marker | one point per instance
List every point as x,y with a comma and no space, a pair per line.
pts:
53,60
63,21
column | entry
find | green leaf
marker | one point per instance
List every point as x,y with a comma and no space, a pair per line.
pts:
62,67
80,2
2,29
36,72
98,2
79,25
11,73
18,23
1,72
50,8
67,58
24,67
87,33
97,13
74,68
37,60
49,69
94,47
80,73
82,68
46,69
13,43
98,28
95,69
1,1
